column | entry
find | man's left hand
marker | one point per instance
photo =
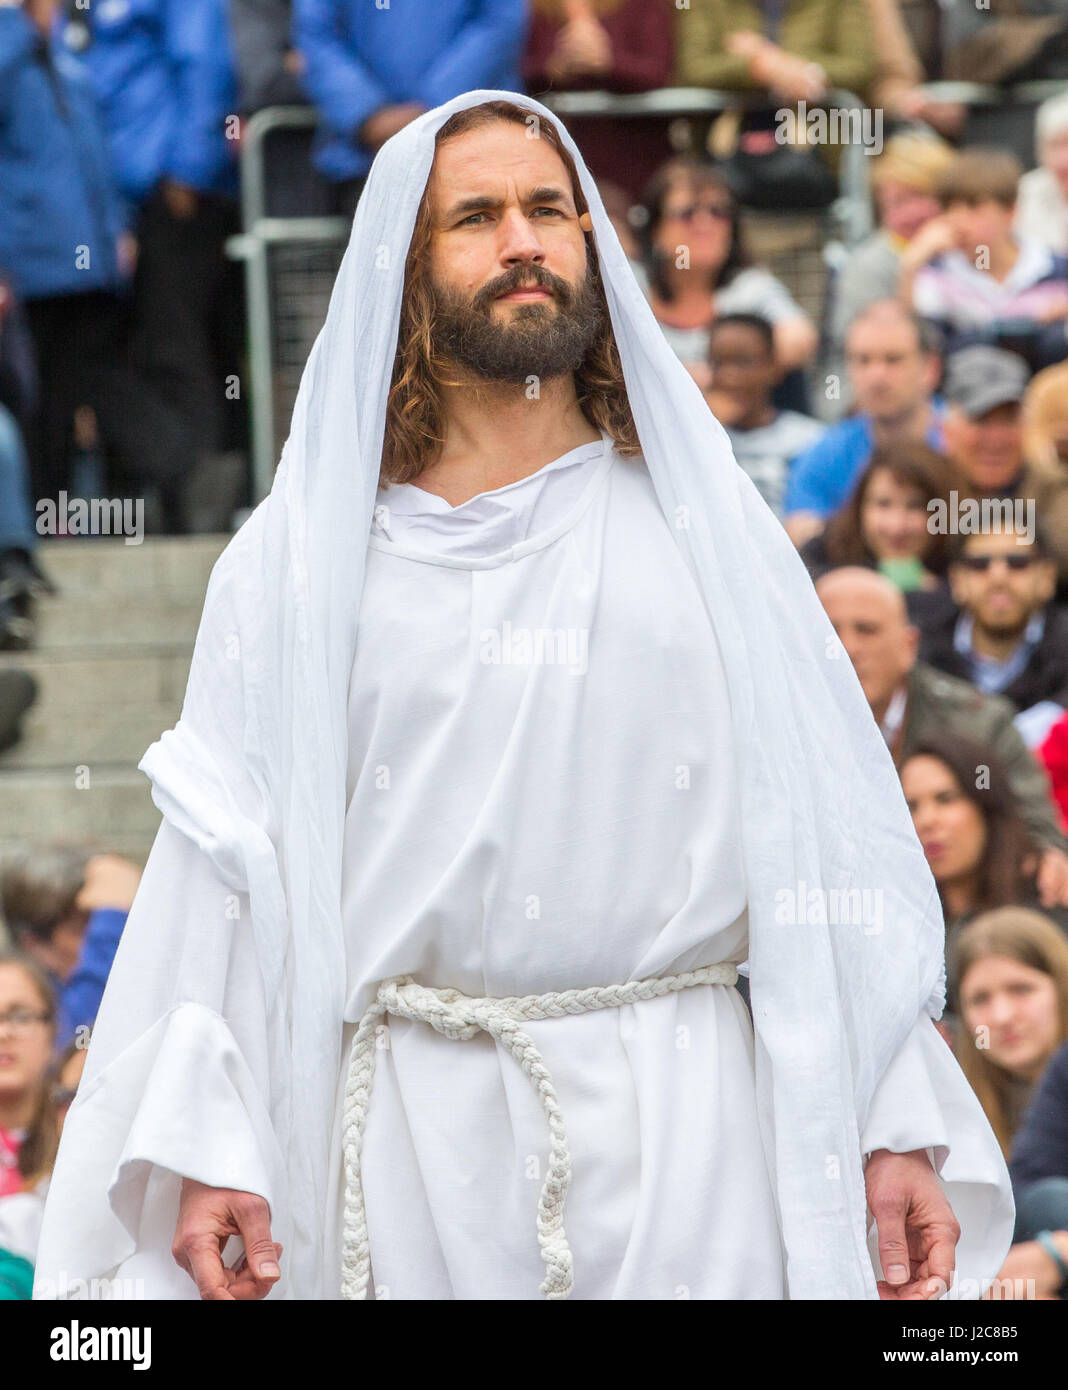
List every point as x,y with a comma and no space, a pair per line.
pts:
918,1232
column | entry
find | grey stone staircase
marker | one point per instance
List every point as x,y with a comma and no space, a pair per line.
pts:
111,661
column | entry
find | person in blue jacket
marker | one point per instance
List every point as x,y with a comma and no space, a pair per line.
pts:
163,72
61,229
370,69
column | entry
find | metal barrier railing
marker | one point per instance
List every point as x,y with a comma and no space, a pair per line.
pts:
290,265
851,211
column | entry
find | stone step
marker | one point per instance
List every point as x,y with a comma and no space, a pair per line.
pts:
134,847
82,622
116,679
101,799
102,733
175,564
111,663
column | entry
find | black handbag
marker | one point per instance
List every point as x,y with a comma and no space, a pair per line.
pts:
766,173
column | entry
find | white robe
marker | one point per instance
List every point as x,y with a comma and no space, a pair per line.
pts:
513,826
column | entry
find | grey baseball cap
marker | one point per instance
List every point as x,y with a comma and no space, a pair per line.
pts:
979,379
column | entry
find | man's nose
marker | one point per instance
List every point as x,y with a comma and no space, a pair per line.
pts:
519,239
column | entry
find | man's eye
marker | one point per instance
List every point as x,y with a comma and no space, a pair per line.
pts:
466,220
555,211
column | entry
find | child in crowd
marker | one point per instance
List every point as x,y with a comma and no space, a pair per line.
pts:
744,374
976,279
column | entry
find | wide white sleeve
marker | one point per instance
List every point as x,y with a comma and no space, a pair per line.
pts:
175,1085
924,1101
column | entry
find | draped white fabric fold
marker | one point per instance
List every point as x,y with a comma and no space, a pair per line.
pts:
254,771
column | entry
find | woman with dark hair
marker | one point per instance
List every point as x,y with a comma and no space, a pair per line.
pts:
694,268
969,823
884,526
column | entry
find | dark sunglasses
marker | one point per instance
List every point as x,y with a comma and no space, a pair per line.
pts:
981,563
724,211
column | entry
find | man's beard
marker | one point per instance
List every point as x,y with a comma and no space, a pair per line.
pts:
538,341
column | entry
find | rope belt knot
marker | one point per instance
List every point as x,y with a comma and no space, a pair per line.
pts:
459,1017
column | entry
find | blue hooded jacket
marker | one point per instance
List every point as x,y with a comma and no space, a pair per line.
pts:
163,71
60,214
360,56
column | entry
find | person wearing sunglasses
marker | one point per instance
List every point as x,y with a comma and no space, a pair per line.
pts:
1009,638
694,269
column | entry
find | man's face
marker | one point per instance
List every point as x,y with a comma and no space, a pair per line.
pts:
1002,582
515,297
877,640
890,373
988,451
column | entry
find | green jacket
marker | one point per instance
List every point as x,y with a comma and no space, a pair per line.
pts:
939,704
837,34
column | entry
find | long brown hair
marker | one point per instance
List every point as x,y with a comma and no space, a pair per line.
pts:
1033,940
37,1152
910,464
1006,872
415,417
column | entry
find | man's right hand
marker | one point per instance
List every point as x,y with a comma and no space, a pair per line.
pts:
207,1218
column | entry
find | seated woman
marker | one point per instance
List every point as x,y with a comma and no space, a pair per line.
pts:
884,526
694,267
973,836
1011,994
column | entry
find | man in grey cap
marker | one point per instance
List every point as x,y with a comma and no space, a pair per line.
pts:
984,388
983,432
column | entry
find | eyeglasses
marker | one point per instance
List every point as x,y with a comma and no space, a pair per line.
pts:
22,1020
981,563
723,211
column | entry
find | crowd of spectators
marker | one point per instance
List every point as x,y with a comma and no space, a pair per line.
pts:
912,437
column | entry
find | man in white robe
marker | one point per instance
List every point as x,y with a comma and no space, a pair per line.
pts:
539,781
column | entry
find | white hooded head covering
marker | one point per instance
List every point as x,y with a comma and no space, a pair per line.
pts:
254,771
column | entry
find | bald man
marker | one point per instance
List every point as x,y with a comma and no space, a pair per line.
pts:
913,704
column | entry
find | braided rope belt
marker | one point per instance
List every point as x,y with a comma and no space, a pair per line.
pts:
459,1017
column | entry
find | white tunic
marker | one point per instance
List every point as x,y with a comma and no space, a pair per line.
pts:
542,795
528,817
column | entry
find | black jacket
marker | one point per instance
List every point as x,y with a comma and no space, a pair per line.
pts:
1044,678
1040,1148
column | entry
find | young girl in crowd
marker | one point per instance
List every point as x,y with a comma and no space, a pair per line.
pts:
27,1033
1011,994
34,1094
